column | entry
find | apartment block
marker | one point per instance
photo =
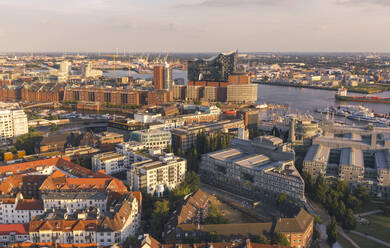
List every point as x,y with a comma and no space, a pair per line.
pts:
241,93
110,162
13,123
157,176
152,138
185,137
260,168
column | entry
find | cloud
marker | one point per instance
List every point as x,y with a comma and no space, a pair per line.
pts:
323,28
3,33
233,3
372,2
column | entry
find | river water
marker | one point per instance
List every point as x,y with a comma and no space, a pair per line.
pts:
304,100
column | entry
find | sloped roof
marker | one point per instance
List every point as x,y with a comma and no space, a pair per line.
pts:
298,224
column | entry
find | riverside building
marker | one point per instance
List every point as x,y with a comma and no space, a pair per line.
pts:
260,168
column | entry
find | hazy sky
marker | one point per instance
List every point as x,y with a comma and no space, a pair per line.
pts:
195,25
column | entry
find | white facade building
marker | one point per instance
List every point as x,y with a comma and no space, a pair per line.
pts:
74,200
110,162
12,123
152,139
19,210
156,176
89,225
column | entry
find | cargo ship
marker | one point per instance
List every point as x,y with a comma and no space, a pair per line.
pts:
342,96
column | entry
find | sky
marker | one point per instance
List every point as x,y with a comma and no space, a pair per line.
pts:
194,25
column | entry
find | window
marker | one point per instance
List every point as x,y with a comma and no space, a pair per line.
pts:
107,97
124,98
76,96
91,96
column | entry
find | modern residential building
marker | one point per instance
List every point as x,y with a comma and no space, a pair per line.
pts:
13,123
358,155
152,138
185,137
132,151
241,93
158,175
260,168
162,77
110,162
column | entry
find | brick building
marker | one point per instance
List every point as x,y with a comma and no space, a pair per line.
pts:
115,97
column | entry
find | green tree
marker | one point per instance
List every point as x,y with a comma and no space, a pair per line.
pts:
28,142
280,239
349,220
361,193
331,231
320,189
131,241
353,202
281,199
160,216
53,128
214,216
261,239
192,181
340,211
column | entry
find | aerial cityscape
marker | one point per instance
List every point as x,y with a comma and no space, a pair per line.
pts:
147,133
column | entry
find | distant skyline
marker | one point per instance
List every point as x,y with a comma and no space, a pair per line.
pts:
194,25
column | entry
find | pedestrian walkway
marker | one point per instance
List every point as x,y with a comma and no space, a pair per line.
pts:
342,233
378,211
372,238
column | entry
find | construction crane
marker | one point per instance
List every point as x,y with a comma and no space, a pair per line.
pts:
114,56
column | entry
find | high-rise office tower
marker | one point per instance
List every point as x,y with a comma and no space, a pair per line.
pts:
162,77
65,67
86,70
158,77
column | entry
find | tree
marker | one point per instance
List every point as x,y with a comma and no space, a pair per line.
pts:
160,216
53,128
331,231
353,202
280,239
28,142
320,189
261,239
340,211
192,181
349,220
131,241
214,216
281,198
361,193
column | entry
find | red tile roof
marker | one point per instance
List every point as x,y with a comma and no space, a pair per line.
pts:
16,228
29,204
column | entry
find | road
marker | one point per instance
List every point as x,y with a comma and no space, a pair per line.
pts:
372,238
315,210
369,213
